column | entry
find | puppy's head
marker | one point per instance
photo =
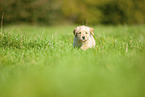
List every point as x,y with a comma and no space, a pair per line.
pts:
83,33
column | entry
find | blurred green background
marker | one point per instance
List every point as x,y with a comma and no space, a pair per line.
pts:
56,12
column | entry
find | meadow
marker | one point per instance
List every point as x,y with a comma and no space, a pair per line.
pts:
40,61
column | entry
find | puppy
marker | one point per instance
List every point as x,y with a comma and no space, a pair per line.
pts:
83,37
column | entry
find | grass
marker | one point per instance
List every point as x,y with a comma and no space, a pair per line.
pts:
41,62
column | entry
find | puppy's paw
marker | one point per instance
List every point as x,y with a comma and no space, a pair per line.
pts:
83,48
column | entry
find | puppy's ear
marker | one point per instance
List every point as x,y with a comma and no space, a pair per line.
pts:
74,31
91,30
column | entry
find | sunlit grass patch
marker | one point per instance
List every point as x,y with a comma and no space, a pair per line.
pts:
41,62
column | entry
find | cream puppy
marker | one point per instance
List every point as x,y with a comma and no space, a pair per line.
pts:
83,37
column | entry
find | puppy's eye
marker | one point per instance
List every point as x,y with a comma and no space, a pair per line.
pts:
79,32
86,32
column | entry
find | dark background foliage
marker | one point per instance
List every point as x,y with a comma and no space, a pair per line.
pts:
51,12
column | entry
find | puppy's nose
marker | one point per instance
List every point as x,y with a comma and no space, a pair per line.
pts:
83,37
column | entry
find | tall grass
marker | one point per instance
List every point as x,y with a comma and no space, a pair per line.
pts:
41,62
